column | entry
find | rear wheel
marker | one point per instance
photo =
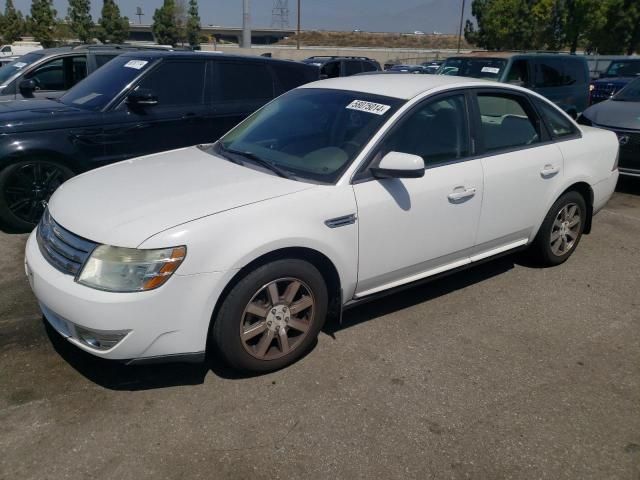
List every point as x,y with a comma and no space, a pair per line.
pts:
561,230
272,316
25,189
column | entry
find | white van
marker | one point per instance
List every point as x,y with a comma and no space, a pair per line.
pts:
19,48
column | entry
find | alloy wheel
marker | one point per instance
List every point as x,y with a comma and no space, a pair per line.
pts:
277,318
29,187
565,229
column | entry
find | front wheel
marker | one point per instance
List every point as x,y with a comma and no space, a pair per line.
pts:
25,189
561,230
272,316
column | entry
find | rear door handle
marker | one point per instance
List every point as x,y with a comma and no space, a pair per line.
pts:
461,193
549,170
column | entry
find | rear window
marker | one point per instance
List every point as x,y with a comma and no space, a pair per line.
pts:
559,72
243,81
489,68
559,125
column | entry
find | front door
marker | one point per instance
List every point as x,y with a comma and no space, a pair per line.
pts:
178,120
414,228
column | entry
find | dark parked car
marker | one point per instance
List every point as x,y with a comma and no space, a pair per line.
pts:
616,77
137,104
563,79
50,72
620,114
332,67
432,67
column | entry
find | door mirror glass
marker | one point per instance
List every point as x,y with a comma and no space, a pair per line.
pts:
142,97
399,165
27,87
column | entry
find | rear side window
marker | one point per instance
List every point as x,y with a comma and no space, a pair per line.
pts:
331,69
559,125
507,122
352,67
177,83
244,81
292,76
368,67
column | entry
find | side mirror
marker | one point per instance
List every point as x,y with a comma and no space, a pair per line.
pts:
27,87
142,97
399,165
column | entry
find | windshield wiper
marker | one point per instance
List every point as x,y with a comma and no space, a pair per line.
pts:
260,161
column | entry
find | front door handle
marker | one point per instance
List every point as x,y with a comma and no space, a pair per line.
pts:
549,170
461,193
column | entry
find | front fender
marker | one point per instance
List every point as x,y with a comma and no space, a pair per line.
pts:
54,145
230,240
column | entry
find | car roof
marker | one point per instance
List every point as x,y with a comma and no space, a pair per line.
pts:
212,55
507,55
397,85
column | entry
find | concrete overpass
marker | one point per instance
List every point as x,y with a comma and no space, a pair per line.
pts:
259,36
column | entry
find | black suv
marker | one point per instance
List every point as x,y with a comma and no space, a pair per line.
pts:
137,104
332,67
49,73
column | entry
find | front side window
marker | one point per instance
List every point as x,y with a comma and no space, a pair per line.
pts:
560,126
311,133
519,73
49,76
177,83
506,122
437,132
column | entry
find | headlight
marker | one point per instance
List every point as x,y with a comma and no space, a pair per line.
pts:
116,269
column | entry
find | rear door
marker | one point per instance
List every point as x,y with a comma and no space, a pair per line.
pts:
564,81
238,88
522,167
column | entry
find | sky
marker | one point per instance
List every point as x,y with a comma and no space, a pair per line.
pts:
370,15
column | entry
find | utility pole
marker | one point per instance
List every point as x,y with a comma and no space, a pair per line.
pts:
139,14
246,24
461,22
298,29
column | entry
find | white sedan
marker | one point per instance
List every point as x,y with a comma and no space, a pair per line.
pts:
331,194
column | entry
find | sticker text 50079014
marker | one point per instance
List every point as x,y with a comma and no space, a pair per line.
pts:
369,107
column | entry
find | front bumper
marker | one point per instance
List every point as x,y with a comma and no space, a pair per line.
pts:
170,321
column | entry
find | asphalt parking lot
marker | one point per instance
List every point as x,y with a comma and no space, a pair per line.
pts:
503,371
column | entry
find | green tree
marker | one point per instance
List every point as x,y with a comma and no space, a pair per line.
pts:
80,20
502,24
193,24
42,22
112,27
12,26
618,33
584,19
166,24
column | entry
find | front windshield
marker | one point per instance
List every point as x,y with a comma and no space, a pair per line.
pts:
10,69
489,68
310,133
98,89
623,69
630,93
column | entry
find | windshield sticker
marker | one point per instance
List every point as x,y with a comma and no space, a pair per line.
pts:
137,64
19,65
87,98
369,107
490,70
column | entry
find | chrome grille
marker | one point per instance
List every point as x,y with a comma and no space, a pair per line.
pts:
64,250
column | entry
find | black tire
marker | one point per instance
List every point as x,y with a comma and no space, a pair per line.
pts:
25,187
226,330
541,250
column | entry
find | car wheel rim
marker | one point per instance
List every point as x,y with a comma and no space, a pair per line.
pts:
277,319
29,187
565,229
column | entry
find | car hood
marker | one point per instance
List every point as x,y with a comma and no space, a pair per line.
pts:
613,113
36,114
126,203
